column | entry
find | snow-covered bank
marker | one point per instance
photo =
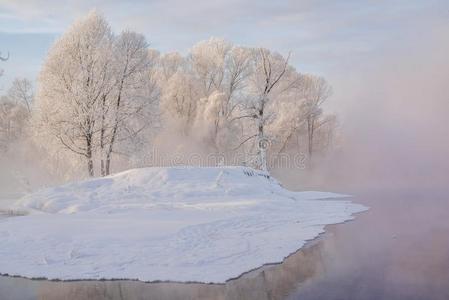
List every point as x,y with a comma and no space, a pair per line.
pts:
179,224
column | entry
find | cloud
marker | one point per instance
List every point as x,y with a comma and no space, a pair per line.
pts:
322,34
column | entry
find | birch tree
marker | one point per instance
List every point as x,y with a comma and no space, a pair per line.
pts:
270,77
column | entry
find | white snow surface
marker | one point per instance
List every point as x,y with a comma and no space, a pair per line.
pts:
177,224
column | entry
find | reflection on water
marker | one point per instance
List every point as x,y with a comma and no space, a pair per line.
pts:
399,249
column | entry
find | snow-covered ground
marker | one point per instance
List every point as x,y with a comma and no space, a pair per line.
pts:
179,224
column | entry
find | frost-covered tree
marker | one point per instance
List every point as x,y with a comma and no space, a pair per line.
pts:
128,99
221,69
13,117
202,93
288,126
238,68
271,77
326,132
15,112
234,98
180,98
99,92
96,90
316,92
21,92
169,64
210,118
75,79
207,60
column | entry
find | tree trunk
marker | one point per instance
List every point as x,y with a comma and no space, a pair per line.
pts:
108,160
102,133
111,143
90,166
102,168
262,143
90,163
310,133
115,129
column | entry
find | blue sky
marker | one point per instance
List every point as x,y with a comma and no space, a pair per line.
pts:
325,36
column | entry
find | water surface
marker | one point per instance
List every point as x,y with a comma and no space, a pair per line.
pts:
399,249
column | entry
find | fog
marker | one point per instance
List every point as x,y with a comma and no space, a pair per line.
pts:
392,110
393,158
393,116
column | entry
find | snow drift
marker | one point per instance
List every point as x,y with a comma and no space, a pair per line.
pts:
179,224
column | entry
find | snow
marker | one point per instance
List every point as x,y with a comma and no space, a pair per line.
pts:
178,224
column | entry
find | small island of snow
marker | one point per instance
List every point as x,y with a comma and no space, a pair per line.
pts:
177,224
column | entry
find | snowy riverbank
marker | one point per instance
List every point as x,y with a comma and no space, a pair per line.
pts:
178,224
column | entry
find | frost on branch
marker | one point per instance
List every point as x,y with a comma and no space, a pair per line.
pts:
107,101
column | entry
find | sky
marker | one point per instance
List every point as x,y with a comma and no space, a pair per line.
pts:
324,36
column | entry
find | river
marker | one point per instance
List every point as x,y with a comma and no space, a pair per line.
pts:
399,249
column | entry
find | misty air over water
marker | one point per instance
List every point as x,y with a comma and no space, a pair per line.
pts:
242,150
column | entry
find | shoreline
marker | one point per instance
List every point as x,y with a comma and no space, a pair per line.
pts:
267,281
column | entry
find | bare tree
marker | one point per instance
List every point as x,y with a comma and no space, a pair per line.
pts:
21,92
326,132
316,92
12,121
